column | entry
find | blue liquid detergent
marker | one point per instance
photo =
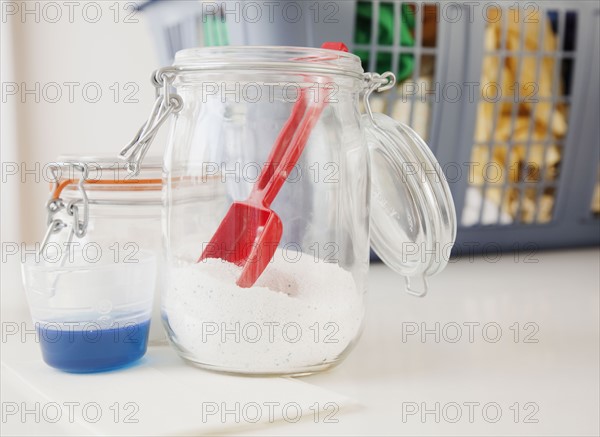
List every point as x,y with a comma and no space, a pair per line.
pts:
89,348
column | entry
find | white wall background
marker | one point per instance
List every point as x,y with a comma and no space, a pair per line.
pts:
80,48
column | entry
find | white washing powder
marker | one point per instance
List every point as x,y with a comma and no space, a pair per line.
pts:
298,314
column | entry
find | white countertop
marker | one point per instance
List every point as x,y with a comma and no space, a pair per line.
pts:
538,376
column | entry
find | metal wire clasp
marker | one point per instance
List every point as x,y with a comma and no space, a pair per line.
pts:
166,103
56,204
377,82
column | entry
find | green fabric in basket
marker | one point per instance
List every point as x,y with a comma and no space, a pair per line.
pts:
362,36
215,31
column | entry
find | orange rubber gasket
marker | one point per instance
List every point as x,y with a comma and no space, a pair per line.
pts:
62,184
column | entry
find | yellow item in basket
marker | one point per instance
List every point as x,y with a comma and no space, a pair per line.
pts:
528,126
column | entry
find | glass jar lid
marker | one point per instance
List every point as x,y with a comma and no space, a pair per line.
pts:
108,180
413,221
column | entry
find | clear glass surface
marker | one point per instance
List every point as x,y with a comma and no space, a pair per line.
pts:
306,310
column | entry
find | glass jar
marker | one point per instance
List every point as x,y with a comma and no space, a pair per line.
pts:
91,288
305,311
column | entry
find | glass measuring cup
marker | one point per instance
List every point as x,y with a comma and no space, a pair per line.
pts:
91,317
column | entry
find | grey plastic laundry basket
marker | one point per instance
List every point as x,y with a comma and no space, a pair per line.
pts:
550,197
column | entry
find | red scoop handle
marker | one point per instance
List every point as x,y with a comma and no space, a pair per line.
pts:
278,151
290,142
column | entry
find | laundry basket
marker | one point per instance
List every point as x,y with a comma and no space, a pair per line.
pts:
507,99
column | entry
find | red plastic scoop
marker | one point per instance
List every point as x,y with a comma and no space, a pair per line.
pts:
250,232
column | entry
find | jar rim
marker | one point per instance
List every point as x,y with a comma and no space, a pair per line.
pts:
249,58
